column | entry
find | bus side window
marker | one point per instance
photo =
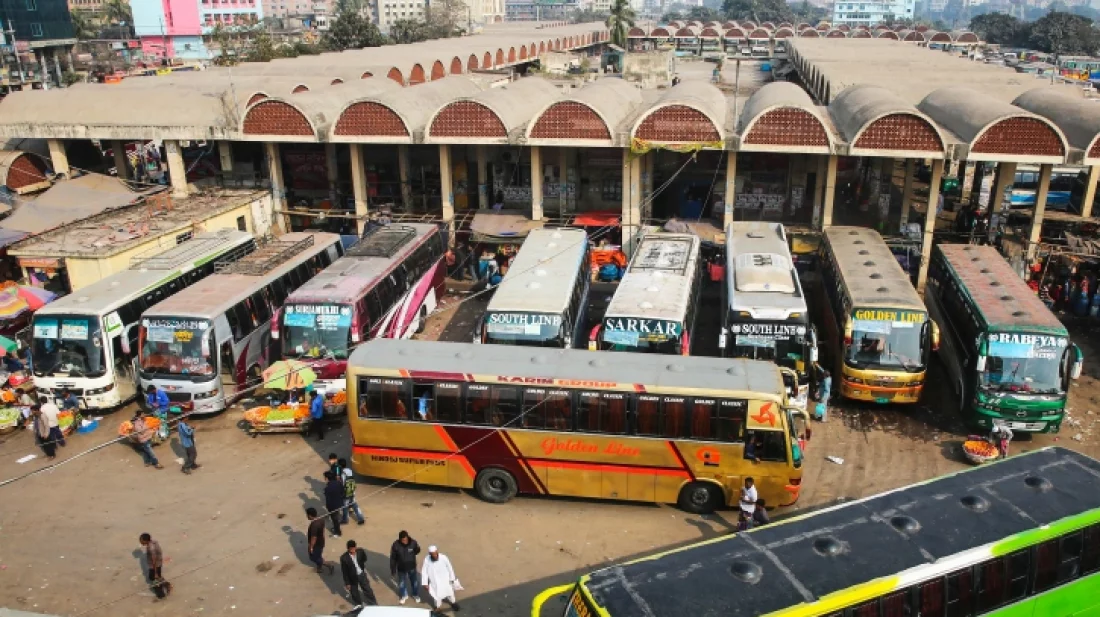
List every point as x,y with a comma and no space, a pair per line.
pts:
673,421
932,598
774,446
1090,559
261,308
702,416
1069,557
505,406
370,398
534,408
558,410
395,393
1019,568
477,404
646,415
375,308
448,402
423,403
731,420
278,292
960,593
613,413
992,584
588,412
229,368
234,323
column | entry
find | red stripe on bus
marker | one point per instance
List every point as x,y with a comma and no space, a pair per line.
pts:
436,375
485,447
442,432
526,463
428,454
680,457
634,469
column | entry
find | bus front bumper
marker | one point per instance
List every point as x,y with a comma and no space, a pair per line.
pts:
91,399
880,394
1050,423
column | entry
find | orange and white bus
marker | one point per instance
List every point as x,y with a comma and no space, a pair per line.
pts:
502,420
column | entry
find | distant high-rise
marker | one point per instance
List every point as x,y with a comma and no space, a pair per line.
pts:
858,12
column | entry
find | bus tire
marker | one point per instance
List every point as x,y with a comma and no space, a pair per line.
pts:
700,498
421,320
495,485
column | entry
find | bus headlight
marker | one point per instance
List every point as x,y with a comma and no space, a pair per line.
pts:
855,380
103,390
198,396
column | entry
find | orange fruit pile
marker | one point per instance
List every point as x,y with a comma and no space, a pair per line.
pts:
340,398
151,422
980,448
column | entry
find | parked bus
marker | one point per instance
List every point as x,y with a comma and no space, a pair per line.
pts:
880,336
1008,356
77,340
503,420
384,286
1025,185
1017,537
766,316
653,310
208,343
540,302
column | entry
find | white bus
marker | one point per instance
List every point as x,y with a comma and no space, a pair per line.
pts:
766,317
654,308
540,302
77,340
210,342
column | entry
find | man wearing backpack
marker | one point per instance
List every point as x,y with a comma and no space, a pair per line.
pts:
349,494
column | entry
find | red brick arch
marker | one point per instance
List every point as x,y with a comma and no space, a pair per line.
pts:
542,48
456,66
416,75
887,34
25,170
471,63
759,33
709,32
395,74
1094,151
336,82
532,50
678,123
557,44
570,120
299,89
511,54
487,61
467,119
836,34
1020,135
900,131
809,33
783,33
636,33
255,98
366,75
276,118
438,71
368,118
500,57
787,126
522,52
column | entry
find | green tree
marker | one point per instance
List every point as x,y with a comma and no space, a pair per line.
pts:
759,11
409,31
808,13
228,51
351,30
263,48
1064,34
620,21
83,25
446,18
703,14
587,16
1000,29
306,49
672,16
118,12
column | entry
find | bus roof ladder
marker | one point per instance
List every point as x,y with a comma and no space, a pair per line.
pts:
265,258
383,241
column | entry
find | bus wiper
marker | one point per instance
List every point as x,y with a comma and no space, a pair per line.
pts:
901,360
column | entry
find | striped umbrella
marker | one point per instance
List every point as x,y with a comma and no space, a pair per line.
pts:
35,297
12,304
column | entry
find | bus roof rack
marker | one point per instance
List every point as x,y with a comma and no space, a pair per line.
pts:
188,251
663,252
267,256
383,241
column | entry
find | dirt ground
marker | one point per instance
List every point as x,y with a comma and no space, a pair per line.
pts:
233,532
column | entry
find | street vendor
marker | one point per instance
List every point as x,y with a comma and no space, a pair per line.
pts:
142,435
156,399
69,401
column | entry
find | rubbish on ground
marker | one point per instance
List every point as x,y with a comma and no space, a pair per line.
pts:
29,457
835,459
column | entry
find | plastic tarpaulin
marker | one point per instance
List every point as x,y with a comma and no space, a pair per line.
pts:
605,218
71,200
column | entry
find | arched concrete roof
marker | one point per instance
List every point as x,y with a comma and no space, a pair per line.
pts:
735,33
784,32
760,34
836,34
964,36
887,34
512,105
938,37
809,32
688,32
748,25
860,34
278,116
781,117
697,108
843,28
663,32
637,33
612,101
876,121
911,36
726,25
1078,119
995,130
374,118
23,172
710,33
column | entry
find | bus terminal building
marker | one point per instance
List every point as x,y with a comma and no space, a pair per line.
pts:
445,128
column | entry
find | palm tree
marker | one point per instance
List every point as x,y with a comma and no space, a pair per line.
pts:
620,21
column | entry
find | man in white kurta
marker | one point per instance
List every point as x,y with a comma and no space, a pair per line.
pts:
438,577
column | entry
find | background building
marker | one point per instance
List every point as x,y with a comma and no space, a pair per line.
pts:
175,28
855,12
36,33
535,10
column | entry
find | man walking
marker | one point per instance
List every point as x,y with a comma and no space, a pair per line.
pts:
334,501
350,505
42,433
51,413
439,578
187,442
748,499
317,414
144,436
315,537
403,566
353,565
155,560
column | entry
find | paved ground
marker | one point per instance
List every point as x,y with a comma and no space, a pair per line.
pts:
233,533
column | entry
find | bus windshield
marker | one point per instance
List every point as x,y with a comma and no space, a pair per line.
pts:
885,345
68,344
787,350
1024,363
526,329
642,335
177,347
316,331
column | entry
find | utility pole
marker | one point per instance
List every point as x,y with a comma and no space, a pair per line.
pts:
163,39
15,51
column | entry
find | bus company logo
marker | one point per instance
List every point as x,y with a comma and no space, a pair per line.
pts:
525,319
551,445
768,329
1032,340
645,326
547,381
901,316
709,457
317,309
407,460
765,415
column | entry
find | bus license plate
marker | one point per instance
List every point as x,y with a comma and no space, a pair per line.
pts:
880,399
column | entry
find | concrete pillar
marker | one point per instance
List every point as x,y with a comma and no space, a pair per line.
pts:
332,170
819,188
830,192
59,160
1090,191
563,178
483,177
225,156
907,191
278,188
1006,175
177,171
536,183
57,67
886,187
1040,209
43,69
446,190
929,223
648,165
731,188
403,175
632,193
122,165
359,186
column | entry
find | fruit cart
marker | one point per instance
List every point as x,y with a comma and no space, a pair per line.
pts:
281,419
979,450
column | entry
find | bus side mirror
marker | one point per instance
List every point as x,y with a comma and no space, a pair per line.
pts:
722,340
1078,363
935,336
980,364
814,356
126,339
275,323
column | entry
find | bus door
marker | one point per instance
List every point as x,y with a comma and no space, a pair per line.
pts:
227,359
125,376
766,442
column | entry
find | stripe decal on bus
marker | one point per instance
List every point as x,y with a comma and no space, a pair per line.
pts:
410,452
612,468
526,463
680,457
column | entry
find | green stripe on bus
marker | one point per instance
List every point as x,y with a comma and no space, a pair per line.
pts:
1035,536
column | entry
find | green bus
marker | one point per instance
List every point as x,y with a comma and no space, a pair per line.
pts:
1017,537
1008,357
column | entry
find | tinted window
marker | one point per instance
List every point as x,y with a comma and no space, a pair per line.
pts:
730,425
960,594
1046,565
547,409
1069,557
506,406
394,395
647,415
477,404
601,412
1019,567
992,584
448,402
1090,556
896,604
702,416
932,598
673,417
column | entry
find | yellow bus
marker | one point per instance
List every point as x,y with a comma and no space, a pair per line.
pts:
877,331
503,419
